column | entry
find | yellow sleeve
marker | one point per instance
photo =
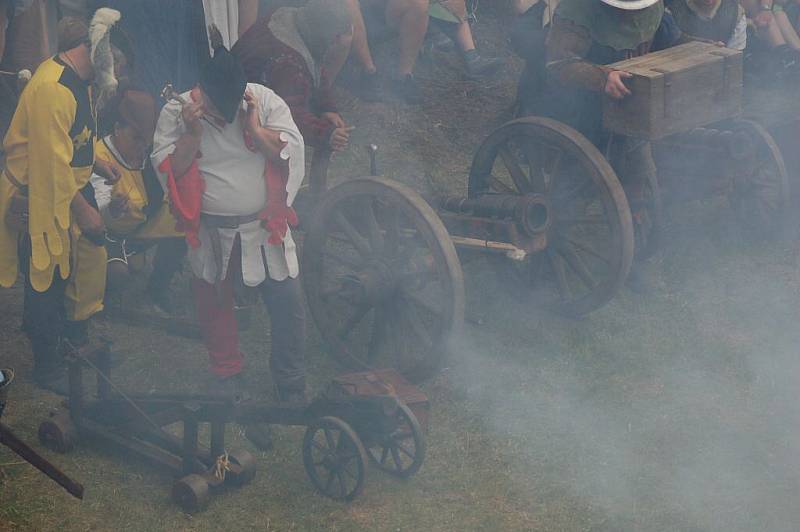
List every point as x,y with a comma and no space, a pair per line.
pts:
51,182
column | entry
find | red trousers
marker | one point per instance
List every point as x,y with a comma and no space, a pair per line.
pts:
285,306
217,321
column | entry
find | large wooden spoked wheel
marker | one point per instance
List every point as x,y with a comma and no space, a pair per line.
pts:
382,278
759,191
589,232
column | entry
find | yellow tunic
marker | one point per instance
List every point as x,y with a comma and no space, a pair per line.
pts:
50,149
86,288
136,223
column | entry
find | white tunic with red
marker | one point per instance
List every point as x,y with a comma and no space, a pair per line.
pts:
235,186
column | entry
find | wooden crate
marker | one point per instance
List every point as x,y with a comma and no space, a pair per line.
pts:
676,90
387,382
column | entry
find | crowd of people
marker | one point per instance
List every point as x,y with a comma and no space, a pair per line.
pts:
102,163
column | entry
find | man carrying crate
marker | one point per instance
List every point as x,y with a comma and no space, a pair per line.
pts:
585,36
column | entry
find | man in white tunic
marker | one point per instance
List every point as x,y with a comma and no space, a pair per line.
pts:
232,161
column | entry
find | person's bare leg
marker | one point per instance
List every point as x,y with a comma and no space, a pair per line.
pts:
787,30
463,35
360,46
410,18
336,56
772,34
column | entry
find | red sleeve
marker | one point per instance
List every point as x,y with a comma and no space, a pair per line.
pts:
293,85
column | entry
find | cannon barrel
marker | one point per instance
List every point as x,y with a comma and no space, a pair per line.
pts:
531,211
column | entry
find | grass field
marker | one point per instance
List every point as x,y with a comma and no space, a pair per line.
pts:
674,410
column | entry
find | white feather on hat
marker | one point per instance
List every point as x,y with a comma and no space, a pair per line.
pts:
100,54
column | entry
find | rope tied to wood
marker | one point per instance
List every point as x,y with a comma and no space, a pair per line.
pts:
221,466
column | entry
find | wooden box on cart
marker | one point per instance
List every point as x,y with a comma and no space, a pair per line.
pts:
676,90
387,382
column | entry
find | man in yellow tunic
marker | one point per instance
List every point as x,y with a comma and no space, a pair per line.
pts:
134,209
47,221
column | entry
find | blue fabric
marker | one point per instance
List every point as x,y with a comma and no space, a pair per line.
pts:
667,34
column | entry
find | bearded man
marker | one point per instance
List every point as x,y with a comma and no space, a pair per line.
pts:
232,169
48,222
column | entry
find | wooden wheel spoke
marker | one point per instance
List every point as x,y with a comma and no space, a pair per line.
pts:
396,457
415,298
343,261
353,322
586,249
515,170
589,219
316,445
576,263
534,155
329,439
559,269
404,451
413,320
575,192
392,238
555,168
342,487
499,186
358,241
384,455
375,234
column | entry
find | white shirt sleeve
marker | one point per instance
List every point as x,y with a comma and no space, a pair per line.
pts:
169,129
102,194
276,115
738,40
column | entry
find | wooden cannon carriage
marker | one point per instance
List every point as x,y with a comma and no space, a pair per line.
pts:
381,272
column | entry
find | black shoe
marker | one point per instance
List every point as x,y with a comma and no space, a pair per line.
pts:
480,67
260,435
408,89
370,88
53,380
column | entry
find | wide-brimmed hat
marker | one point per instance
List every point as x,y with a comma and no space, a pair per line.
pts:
630,5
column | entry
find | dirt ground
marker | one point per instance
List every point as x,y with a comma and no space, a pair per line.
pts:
672,410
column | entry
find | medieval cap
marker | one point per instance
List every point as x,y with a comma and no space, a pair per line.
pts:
72,32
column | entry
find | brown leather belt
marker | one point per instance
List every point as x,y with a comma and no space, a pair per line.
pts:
217,221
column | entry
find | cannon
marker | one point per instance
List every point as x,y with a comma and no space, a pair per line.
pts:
345,431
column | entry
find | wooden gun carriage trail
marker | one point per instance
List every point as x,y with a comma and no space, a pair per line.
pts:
360,418
381,272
